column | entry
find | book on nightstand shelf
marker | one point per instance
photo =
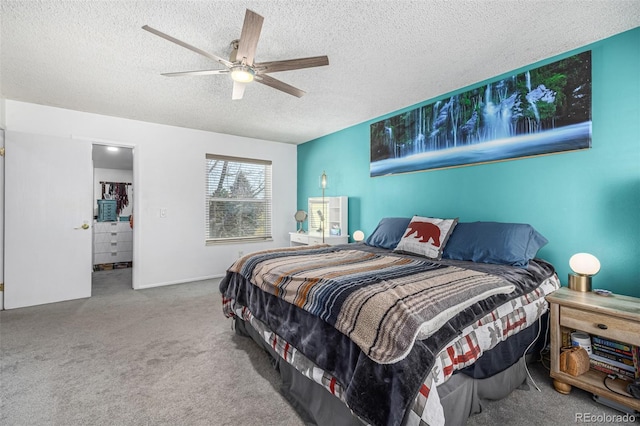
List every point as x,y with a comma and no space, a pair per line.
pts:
624,358
611,344
566,338
617,358
611,369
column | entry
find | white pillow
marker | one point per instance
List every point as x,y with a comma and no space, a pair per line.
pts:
426,236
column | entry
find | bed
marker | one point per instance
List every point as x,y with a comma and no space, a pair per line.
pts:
415,326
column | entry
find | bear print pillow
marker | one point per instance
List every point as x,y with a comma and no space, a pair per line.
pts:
426,236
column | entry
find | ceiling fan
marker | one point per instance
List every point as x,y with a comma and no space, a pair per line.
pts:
241,65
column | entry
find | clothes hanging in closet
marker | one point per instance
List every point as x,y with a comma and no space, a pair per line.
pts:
116,191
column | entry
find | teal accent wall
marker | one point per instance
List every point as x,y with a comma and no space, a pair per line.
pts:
582,201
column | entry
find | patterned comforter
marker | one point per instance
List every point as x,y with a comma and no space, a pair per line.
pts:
379,393
383,303
478,338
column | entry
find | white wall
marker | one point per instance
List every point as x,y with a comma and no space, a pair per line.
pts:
2,114
2,203
169,167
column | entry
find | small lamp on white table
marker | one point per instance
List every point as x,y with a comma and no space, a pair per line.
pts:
358,236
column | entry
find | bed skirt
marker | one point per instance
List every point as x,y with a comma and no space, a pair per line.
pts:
461,396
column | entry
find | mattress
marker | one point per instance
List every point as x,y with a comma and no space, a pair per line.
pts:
402,391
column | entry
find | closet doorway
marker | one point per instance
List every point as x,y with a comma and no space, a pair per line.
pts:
112,238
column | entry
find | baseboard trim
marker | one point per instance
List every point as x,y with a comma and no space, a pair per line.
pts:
189,280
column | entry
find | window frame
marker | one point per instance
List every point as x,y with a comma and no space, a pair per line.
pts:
267,200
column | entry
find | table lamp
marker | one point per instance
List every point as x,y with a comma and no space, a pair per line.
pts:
584,266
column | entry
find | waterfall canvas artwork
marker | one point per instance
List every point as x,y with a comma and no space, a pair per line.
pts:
540,111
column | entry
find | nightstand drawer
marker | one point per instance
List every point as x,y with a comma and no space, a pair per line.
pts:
315,240
601,325
299,238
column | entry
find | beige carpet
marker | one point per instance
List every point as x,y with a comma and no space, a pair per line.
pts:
167,356
163,356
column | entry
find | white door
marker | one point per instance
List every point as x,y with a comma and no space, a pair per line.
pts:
48,199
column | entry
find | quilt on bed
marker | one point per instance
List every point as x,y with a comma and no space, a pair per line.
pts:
378,393
483,335
382,303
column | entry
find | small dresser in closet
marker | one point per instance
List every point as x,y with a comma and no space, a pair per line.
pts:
112,242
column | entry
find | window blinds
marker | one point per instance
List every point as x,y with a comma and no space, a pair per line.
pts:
238,199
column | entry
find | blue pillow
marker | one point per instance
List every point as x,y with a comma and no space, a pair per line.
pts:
388,233
494,242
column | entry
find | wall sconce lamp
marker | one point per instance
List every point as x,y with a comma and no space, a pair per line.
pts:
584,266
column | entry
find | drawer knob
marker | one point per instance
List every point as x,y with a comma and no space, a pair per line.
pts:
602,326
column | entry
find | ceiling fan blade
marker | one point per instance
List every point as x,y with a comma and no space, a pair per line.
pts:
187,46
277,84
291,64
202,72
249,36
238,90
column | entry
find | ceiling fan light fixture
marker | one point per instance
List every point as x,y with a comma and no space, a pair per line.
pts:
242,74
241,65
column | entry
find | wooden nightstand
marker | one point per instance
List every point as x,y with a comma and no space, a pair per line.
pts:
614,317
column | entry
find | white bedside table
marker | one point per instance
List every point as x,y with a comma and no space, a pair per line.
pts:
300,239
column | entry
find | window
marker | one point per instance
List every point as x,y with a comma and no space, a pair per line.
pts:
238,199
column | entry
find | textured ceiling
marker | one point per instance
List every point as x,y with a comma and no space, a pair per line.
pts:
384,55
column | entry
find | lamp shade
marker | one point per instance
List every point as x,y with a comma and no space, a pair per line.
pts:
358,236
323,180
584,264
